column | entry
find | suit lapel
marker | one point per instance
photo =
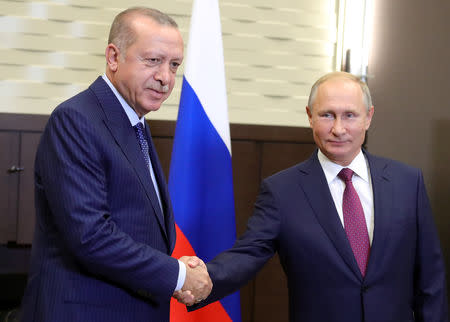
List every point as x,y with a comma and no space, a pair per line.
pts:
382,200
119,125
315,186
163,192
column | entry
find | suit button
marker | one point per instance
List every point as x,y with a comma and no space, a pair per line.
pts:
364,289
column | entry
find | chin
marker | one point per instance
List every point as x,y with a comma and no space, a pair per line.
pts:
152,107
337,155
337,150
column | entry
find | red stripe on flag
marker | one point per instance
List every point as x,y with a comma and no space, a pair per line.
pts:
178,312
182,246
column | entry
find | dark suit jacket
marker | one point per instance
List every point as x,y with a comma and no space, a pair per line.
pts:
102,244
295,216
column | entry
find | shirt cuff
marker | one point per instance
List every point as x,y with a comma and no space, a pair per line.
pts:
181,276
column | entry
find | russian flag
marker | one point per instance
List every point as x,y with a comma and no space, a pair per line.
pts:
200,180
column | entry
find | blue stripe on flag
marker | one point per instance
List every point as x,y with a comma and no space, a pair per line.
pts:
201,185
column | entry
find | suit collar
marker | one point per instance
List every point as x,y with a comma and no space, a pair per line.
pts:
383,202
118,123
163,190
315,186
131,113
359,166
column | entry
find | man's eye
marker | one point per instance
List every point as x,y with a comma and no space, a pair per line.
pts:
175,65
327,115
152,61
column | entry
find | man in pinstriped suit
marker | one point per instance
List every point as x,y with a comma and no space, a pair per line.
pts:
105,229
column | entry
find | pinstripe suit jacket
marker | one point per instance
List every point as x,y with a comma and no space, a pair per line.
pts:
102,244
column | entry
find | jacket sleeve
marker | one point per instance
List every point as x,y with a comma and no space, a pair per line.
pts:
233,268
430,287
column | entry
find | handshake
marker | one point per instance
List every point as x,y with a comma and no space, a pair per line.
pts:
197,284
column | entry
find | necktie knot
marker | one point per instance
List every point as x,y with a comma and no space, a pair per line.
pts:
139,128
346,175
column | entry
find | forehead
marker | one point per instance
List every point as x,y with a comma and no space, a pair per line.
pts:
151,36
339,92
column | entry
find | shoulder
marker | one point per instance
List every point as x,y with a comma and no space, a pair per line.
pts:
390,167
82,102
77,117
83,107
87,101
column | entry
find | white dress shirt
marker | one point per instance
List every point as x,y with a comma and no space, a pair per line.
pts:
134,119
361,181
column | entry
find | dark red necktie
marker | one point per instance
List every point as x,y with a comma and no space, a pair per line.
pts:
354,221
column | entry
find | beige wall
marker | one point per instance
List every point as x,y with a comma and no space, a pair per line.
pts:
50,50
410,87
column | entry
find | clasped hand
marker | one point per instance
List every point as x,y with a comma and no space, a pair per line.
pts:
197,284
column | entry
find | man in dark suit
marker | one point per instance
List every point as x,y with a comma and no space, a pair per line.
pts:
105,228
357,244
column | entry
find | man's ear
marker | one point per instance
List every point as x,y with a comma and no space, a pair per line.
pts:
369,117
112,54
308,111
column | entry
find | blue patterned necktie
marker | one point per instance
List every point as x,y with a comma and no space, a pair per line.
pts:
139,129
354,221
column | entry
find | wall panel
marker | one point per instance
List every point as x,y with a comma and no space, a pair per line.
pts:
9,185
273,52
409,82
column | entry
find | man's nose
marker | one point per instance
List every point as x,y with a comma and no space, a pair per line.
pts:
338,127
163,74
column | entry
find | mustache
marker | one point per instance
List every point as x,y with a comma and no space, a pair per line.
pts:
158,87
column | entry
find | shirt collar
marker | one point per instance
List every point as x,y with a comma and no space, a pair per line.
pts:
132,116
359,166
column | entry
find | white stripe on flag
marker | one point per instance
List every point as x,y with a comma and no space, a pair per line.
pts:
205,70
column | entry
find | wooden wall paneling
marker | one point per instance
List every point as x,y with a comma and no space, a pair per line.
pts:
440,175
162,135
163,147
246,173
26,214
276,157
271,293
279,156
22,122
246,177
267,133
14,284
409,81
9,185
